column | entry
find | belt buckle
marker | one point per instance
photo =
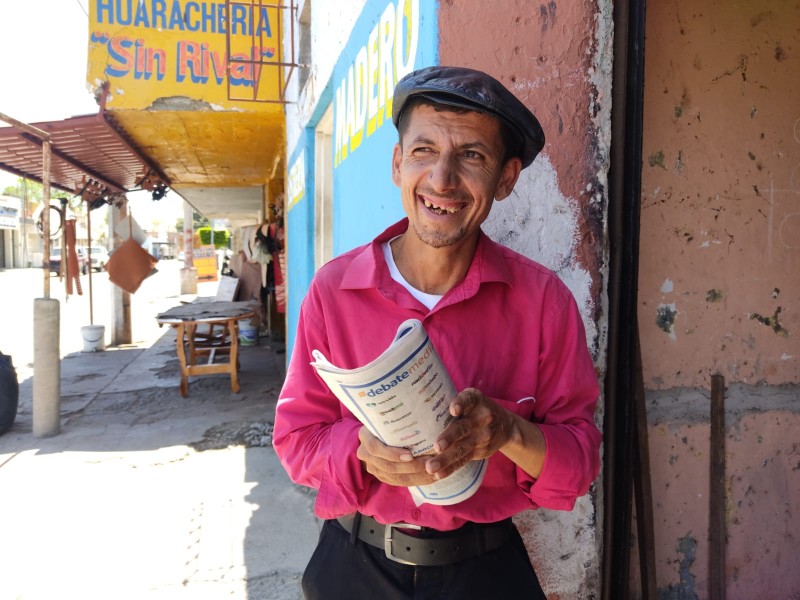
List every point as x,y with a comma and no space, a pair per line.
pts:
387,541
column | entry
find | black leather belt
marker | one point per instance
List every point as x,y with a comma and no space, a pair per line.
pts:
430,547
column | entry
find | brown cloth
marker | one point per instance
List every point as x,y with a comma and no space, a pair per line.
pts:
71,256
129,265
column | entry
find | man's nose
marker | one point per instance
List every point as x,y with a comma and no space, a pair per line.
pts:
443,175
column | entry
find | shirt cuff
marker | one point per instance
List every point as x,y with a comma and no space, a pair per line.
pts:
342,490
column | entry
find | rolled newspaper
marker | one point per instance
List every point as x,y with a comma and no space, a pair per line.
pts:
403,397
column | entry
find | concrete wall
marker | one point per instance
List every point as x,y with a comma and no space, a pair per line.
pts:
558,61
557,58
321,40
719,286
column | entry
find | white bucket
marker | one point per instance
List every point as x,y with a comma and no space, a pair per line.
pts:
248,334
94,338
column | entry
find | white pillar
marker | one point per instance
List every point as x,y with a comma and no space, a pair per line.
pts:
188,272
46,367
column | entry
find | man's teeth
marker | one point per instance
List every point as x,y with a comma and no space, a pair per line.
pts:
440,209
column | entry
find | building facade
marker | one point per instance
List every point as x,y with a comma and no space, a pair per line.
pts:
340,194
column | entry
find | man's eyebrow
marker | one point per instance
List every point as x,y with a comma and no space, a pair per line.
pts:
478,145
421,139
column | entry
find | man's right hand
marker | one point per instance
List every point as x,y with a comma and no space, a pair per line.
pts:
391,465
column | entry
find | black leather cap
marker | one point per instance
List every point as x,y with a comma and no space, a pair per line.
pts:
473,90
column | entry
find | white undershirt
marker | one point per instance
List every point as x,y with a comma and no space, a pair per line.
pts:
429,300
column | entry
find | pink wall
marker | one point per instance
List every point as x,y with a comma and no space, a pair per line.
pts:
544,52
719,275
719,284
549,55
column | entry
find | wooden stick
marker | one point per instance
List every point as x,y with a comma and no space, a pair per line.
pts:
717,531
642,486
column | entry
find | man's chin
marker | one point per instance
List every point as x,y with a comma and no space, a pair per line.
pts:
439,239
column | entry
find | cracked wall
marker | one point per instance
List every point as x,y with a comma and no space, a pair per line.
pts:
719,285
556,57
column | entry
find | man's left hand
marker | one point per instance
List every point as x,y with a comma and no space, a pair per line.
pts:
480,428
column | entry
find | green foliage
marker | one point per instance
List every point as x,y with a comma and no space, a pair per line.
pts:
198,221
32,190
221,237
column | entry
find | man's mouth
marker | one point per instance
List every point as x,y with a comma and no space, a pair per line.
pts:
442,208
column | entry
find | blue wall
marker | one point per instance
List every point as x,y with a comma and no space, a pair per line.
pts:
365,199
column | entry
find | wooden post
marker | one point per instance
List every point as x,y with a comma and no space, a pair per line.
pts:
642,486
717,530
89,258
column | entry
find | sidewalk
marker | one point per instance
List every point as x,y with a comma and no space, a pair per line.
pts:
145,494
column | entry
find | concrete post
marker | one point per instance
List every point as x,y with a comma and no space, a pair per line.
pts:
188,272
122,330
47,367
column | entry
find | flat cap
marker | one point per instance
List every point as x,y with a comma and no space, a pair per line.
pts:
473,90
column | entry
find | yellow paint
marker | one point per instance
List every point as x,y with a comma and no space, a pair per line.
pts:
210,149
205,261
296,186
152,49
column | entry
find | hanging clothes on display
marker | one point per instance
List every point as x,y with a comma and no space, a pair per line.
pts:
278,266
73,267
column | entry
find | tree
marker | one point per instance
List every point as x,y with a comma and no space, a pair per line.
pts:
32,190
221,237
198,221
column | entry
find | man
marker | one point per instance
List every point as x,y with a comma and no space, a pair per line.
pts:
508,332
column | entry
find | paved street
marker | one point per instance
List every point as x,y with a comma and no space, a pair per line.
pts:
21,286
145,494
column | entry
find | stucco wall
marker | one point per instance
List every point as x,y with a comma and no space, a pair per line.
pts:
556,58
328,21
719,285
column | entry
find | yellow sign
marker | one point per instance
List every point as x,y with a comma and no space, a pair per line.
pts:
154,50
205,261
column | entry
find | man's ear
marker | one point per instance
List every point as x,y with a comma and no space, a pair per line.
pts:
397,159
508,178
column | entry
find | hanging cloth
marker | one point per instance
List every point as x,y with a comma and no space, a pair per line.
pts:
73,269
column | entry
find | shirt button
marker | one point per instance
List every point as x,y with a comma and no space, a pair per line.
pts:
416,513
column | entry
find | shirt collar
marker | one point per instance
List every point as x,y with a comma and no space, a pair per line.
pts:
368,267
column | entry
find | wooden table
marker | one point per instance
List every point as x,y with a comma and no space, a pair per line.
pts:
221,338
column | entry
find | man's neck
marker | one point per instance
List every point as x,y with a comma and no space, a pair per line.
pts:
432,270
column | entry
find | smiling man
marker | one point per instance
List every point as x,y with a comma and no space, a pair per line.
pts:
508,332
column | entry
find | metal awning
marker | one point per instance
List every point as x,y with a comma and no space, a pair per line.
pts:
90,156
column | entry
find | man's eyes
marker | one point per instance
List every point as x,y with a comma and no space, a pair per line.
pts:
467,154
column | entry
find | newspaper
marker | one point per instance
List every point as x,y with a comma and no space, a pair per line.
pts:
403,397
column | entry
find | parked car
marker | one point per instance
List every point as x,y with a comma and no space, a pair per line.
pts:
55,261
98,257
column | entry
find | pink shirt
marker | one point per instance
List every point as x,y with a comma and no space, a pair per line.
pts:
510,329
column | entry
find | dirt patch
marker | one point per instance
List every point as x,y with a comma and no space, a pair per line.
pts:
235,434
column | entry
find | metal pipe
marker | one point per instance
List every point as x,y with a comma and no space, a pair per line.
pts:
623,221
89,259
46,217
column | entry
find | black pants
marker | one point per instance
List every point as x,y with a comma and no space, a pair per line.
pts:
341,570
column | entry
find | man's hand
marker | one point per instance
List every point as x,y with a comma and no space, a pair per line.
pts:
394,466
480,428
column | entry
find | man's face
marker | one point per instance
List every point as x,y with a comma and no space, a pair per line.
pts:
449,169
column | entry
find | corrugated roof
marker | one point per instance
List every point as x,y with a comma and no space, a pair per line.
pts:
84,148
